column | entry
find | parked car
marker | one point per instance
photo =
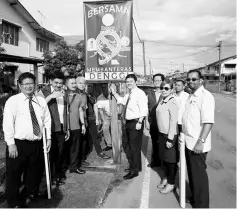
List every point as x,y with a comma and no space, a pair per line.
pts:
4,88
146,87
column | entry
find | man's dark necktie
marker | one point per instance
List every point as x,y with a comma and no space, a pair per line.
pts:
36,128
126,106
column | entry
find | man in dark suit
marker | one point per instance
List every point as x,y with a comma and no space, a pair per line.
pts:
153,99
54,96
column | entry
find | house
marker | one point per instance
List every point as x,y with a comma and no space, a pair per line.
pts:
228,68
24,40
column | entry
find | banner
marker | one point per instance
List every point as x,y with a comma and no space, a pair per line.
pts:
108,40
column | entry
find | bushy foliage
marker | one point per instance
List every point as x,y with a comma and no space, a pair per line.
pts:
1,51
69,59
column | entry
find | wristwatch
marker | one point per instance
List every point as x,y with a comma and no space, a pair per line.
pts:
202,140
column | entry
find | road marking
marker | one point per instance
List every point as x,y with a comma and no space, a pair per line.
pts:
146,181
230,98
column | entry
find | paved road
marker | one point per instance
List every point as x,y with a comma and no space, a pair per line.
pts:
142,192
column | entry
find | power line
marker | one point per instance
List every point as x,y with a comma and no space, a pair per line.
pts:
136,30
185,56
174,44
184,45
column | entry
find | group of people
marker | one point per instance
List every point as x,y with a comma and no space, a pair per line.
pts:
172,112
74,120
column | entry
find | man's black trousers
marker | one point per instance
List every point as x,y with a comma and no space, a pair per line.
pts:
155,159
27,161
93,135
134,145
56,154
198,179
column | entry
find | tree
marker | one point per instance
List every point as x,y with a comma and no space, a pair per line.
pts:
68,59
1,51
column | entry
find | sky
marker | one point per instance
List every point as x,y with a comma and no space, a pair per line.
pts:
178,34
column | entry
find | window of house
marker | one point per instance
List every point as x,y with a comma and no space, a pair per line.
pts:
10,33
42,45
230,65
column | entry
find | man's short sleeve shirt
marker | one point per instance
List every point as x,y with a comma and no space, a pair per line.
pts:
199,109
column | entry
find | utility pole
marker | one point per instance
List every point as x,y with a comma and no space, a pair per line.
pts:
183,67
144,57
150,67
219,48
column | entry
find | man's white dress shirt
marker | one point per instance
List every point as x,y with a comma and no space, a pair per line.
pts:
181,102
137,106
17,119
199,109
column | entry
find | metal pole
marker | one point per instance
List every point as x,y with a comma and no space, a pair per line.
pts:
144,59
219,86
150,67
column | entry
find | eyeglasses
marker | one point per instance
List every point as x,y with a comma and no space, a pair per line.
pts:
165,88
28,84
193,79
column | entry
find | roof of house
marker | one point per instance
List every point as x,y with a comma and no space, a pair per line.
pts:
32,22
217,62
73,39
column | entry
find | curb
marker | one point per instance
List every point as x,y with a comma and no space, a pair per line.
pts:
228,93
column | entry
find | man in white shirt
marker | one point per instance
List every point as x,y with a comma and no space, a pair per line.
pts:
181,97
25,115
54,96
104,113
135,111
197,122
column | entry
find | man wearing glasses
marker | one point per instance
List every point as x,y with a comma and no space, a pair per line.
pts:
153,98
25,115
135,111
197,122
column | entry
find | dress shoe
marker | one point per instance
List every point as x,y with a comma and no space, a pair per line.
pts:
64,177
127,169
20,206
107,148
162,183
84,163
59,182
168,189
103,155
153,165
31,198
78,171
190,200
42,194
130,175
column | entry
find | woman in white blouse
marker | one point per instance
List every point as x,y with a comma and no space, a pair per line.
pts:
167,118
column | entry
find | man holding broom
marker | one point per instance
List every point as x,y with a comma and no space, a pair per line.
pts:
25,115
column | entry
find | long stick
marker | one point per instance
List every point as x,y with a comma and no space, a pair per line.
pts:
47,169
182,174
